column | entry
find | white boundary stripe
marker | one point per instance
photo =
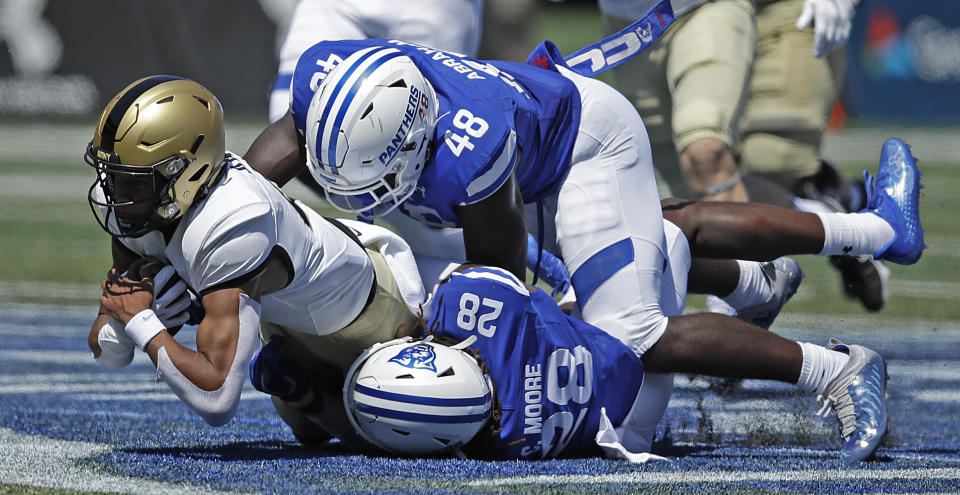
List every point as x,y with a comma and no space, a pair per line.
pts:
42,462
675,478
166,396
48,356
938,396
80,388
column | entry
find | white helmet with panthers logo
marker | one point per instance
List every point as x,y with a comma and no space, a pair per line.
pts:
416,398
369,130
157,147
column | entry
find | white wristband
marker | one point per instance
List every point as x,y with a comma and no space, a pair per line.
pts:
143,327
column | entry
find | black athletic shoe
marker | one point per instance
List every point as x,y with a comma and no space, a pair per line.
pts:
864,279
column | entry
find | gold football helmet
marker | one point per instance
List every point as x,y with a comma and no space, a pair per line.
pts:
157,148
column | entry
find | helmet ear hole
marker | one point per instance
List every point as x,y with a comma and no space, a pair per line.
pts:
196,145
195,177
447,372
366,112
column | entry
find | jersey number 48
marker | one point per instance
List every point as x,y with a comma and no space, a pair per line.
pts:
473,127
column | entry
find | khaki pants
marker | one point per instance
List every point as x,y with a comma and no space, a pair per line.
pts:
791,94
692,83
326,358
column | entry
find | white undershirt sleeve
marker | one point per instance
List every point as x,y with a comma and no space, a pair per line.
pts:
216,407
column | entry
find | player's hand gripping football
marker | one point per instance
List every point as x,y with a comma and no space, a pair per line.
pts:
124,296
147,284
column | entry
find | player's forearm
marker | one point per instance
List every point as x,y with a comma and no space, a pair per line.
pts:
209,380
194,365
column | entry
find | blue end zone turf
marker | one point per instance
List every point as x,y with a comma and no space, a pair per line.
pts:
121,429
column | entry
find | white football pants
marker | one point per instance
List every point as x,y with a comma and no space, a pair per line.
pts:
607,225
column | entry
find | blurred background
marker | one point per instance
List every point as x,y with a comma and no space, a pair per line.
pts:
60,60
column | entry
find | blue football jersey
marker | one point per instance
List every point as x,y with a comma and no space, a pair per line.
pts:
552,373
495,118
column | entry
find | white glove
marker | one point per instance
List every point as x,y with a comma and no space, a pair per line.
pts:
170,298
831,23
116,347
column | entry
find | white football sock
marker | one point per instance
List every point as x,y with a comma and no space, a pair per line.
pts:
820,367
717,305
752,287
854,233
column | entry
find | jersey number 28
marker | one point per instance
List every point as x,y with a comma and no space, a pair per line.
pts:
469,318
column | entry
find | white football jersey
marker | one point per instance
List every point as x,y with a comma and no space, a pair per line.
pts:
245,217
635,9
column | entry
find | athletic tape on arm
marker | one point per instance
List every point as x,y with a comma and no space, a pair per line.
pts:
216,407
610,51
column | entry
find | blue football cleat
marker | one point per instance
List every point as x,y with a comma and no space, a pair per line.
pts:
784,276
858,397
894,195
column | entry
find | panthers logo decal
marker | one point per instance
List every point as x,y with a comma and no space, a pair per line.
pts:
418,357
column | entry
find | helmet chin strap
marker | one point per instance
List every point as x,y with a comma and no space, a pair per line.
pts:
466,343
437,120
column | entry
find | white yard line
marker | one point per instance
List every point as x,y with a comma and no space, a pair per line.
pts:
682,477
44,462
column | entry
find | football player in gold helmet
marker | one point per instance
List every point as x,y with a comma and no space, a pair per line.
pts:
167,190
